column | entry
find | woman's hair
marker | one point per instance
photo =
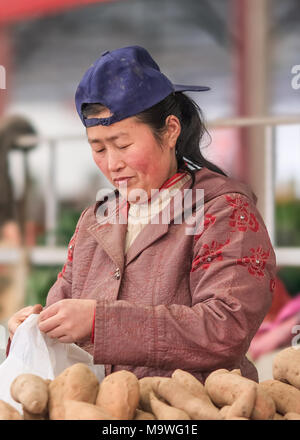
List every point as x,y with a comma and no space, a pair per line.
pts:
188,154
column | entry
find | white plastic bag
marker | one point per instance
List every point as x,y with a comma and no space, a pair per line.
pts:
34,352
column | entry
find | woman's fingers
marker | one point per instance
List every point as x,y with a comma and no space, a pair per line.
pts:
47,325
49,311
65,339
20,316
37,308
56,333
53,325
72,317
27,311
23,313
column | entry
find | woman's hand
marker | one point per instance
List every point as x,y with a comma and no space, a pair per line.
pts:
20,316
68,320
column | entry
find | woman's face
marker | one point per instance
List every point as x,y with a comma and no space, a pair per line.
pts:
128,149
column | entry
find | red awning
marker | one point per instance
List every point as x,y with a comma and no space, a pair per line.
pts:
16,10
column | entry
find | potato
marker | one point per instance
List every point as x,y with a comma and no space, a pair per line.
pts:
224,410
291,416
189,382
278,416
143,415
236,371
31,391
77,410
119,394
285,396
198,408
163,411
8,412
225,387
77,382
237,418
244,404
29,416
286,366
146,385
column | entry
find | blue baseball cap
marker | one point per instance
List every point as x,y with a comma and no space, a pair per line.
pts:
127,81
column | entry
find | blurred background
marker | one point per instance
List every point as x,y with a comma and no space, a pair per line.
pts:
247,51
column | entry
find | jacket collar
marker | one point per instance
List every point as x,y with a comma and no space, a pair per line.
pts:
110,228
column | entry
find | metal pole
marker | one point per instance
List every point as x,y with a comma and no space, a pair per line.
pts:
51,197
270,155
253,90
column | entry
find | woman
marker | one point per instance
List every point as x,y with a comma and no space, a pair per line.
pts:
139,292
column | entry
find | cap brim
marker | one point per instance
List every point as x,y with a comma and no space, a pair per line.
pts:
185,88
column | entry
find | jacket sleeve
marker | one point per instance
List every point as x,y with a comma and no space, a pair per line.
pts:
231,283
62,288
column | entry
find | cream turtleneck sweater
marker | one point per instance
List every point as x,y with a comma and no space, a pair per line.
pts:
139,215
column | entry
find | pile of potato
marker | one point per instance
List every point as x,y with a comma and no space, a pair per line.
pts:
226,395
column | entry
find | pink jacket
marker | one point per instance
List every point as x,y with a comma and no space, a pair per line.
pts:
175,300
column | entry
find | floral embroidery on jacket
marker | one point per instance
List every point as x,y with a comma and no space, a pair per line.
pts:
70,252
209,253
272,285
209,220
62,271
256,262
241,218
